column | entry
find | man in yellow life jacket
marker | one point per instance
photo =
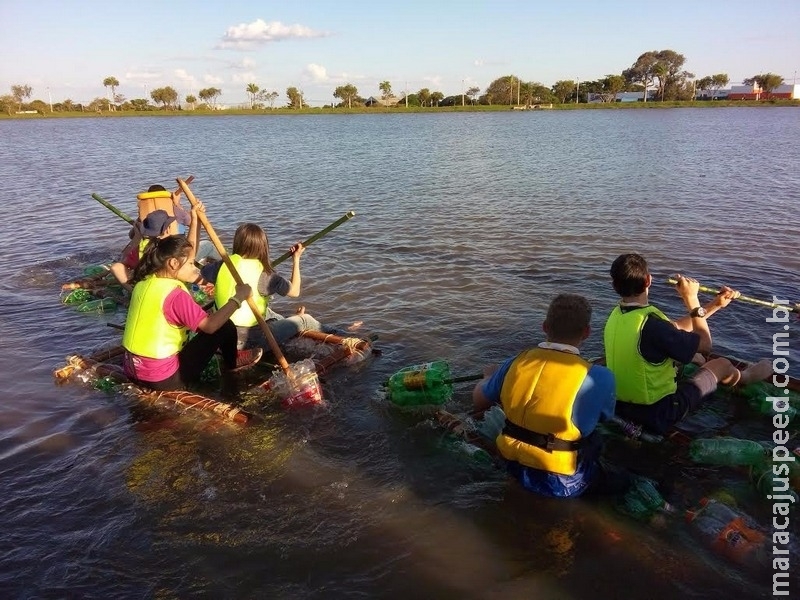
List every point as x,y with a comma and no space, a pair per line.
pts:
642,346
553,400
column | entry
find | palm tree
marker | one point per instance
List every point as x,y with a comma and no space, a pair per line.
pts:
252,89
111,82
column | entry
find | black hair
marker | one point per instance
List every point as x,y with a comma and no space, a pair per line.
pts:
629,274
156,188
568,316
158,252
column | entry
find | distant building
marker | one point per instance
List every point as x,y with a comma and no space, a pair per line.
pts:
388,101
787,91
594,98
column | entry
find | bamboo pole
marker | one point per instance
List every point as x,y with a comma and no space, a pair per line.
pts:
117,211
273,344
322,233
709,290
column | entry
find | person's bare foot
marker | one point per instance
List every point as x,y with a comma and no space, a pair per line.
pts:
757,372
355,325
301,310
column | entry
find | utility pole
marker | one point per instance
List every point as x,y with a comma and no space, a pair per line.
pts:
50,96
462,90
406,94
577,90
519,83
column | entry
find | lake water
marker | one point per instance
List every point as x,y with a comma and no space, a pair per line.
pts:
467,225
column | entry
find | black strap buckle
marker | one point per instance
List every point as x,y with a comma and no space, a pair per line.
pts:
550,443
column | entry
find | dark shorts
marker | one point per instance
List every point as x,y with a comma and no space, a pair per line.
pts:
662,415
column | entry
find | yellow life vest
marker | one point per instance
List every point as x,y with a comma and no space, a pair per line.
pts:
537,396
147,331
160,200
637,380
143,246
250,270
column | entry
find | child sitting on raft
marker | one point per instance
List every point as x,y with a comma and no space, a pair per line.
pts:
251,258
157,353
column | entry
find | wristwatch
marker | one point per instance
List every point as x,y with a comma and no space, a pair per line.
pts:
698,312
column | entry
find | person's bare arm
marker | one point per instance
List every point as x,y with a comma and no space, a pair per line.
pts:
294,284
688,289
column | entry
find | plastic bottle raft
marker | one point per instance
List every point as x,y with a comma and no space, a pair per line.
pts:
729,533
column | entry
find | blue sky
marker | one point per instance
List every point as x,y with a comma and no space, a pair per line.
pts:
66,48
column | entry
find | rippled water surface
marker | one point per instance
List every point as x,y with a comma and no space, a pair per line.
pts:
466,226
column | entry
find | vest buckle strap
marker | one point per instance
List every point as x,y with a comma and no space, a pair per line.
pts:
547,442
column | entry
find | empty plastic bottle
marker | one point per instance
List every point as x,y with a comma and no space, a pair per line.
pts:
428,383
727,451
642,500
728,532
99,305
768,483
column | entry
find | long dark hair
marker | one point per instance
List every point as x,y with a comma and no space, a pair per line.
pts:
250,241
158,252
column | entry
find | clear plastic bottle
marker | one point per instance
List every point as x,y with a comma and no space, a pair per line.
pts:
728,532
727,451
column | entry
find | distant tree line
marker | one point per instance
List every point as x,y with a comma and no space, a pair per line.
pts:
659,72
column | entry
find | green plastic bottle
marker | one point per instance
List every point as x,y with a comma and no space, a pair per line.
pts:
421,384
77,296
642,500
99,305
766,481
727,451
93,270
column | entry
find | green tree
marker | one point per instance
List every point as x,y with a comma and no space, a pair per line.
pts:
767,82
113,83
269,97
501,91
252,90
436,98
190,99
7,103
718,81
643,71
166,96
295,97
563,89
386,89
704,83
210,95
424,96
612,85
472,92
20,93
140,104
346,93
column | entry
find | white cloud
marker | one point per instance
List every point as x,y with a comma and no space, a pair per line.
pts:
185,78
248,77
317,73
247,35
247,63
212,79
478,62
434,81
141,75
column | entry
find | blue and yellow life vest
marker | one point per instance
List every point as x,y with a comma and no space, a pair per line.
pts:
537,396
637,380
250,270
147,331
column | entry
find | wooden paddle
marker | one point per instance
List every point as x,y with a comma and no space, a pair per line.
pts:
273,344
710,290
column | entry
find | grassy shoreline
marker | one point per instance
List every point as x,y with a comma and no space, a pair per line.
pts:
403,109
